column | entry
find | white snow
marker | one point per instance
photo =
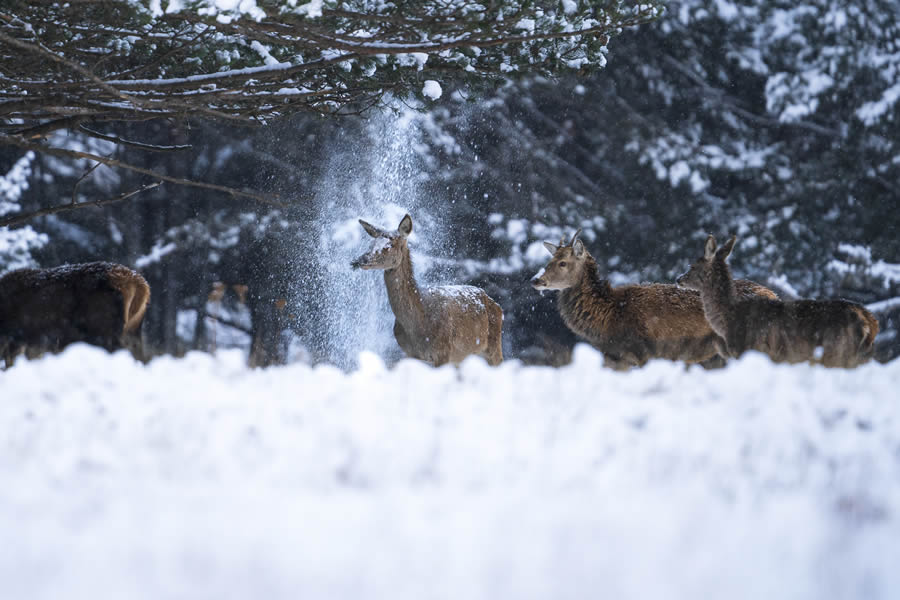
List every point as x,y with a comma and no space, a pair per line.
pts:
199,478
871,112
526,24
155,255
432,89
536,254
16,244
678,171
884,305
310,9
264,53
783,286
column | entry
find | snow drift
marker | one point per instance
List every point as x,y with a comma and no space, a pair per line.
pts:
198,478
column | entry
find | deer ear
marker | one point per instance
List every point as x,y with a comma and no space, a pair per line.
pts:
370,229
405,226
709,250
578,248
550,247
726,248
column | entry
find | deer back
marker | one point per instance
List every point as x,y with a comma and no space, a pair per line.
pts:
47,309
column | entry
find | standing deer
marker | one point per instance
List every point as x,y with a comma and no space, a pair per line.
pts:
45,310
435,324
633,323
835,333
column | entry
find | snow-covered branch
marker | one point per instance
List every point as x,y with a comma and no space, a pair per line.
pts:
153,59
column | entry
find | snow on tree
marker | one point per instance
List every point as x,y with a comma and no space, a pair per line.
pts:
66,64
16,245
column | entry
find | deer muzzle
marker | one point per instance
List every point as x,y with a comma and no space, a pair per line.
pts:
361,263
687,280
538,282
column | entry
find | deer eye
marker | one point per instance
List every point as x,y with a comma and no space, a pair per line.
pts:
562,263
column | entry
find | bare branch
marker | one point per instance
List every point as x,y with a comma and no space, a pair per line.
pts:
80,179
44,129
138,145
111,162
22,219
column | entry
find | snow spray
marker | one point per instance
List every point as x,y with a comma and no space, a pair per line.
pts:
378,181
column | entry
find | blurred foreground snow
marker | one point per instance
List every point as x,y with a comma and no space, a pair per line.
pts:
197,478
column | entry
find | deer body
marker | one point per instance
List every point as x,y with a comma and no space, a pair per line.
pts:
47,309
442,324
634,323
835,333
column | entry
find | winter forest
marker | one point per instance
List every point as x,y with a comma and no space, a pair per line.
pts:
277,440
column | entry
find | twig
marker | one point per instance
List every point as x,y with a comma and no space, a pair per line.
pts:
80,179
21,219
111,162
229,323
140,145
39,131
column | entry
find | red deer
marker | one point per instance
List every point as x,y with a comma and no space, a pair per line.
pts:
835,333
633,323
441,324
44,310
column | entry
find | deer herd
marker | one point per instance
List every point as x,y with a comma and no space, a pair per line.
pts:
706,317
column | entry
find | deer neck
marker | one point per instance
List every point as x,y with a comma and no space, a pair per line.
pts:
590,284
587,303
719,296
404,295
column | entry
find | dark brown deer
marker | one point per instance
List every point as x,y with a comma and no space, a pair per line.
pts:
44,310
835,333
439,325
633,323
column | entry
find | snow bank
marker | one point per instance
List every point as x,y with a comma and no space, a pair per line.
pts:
197,478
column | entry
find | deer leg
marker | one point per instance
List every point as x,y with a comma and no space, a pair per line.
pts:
494,354
721,347
8,352
622,362
134,343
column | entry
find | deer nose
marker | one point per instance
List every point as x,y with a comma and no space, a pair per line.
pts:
680,279
538,281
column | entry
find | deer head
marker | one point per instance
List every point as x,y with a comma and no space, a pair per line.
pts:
388,247
564,269
700,273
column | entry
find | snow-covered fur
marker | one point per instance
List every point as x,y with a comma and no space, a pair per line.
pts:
442,324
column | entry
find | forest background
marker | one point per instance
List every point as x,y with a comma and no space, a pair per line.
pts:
777,121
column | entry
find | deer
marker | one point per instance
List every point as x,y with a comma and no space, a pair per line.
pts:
631,324
441,324
830,332
45,310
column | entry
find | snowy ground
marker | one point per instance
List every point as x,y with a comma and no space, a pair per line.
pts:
197,478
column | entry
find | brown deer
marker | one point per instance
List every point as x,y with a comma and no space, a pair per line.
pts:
441,324
44,310
835,333
633,323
